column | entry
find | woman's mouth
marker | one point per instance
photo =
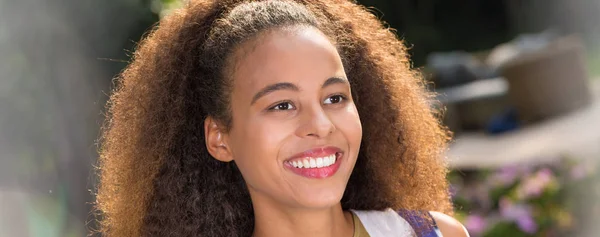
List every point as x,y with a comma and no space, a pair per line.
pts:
310,162
316,163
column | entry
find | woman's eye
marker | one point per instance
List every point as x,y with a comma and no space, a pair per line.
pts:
334,99
283,106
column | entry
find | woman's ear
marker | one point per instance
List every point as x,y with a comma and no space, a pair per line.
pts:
216,141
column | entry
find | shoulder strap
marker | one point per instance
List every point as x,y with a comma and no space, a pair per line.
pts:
421,222
384,223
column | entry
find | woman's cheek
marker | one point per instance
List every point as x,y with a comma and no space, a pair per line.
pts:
351,121
270,133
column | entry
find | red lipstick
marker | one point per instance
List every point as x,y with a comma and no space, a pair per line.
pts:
317,163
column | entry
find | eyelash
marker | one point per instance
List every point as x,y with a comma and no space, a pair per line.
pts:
274,108
343,99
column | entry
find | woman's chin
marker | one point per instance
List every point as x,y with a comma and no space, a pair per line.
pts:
318,193
319,201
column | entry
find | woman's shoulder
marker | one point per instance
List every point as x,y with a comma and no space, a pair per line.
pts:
410,223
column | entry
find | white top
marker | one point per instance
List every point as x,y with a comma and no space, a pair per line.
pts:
384,223
387,223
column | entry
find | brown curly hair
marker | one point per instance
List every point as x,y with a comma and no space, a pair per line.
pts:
157,177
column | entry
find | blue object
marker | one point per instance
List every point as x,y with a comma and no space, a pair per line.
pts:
503,122
424,227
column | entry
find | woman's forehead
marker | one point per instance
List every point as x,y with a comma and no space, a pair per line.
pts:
287,55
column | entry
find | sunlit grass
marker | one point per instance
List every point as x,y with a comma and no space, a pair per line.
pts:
593,62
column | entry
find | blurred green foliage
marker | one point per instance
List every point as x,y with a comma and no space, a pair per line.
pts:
551,199
593,62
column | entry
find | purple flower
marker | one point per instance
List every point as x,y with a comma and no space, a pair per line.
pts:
527,224
506,175
475,224
519,213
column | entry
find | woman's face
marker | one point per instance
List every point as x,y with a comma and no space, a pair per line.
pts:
296,133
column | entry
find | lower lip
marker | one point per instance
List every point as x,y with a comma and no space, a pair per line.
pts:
318,173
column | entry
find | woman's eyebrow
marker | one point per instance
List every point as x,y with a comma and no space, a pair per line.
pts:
274,87
335,80
289,86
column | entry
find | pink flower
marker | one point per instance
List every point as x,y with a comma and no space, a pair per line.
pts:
545,175
534,185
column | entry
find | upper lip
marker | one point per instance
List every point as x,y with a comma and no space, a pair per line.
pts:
317,152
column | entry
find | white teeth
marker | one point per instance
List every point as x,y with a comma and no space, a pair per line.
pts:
306,163
313,163
326,161
319,162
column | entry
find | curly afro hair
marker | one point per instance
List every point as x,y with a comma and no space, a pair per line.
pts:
156,175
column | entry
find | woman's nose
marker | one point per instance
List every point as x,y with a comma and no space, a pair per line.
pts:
315,123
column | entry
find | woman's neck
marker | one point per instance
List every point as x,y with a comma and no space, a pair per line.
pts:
273,219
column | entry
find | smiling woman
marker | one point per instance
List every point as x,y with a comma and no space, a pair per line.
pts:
302,112
272,118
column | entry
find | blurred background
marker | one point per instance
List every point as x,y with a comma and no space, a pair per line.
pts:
518,82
